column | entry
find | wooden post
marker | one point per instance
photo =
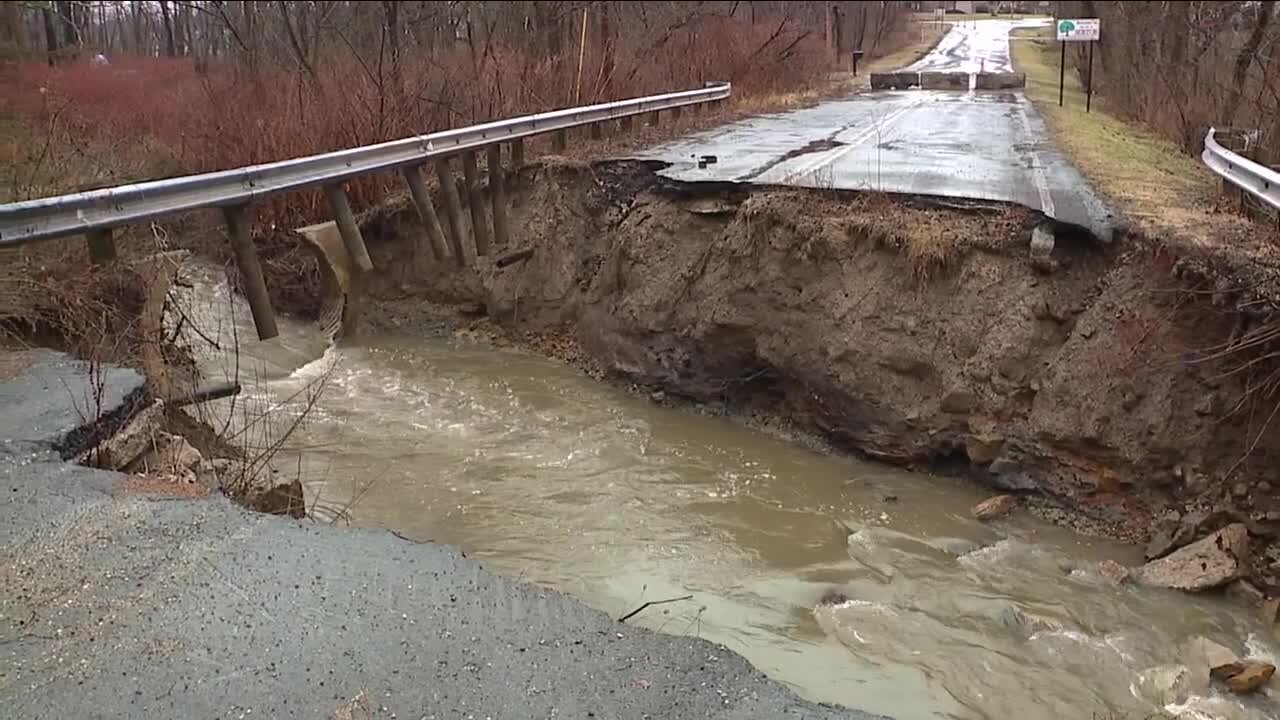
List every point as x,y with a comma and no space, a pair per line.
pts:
347,227
625,123
475,203
255,287
426,212
517,155
453,209
561,140
102,246
596,130
498,197
654,118
675,113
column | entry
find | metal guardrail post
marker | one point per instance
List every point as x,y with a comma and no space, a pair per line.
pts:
347,227
498,197
475,203
426,211
102,246
255,287
453,210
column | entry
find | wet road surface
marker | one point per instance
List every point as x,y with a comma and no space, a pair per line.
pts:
983,145
974,46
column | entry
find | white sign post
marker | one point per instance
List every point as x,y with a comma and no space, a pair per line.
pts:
1078,30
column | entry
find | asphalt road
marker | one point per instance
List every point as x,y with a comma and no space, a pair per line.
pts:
983,145
114,605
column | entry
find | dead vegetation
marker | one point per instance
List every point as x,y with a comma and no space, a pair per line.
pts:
1182,67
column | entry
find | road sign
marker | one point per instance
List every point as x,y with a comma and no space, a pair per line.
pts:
1080,30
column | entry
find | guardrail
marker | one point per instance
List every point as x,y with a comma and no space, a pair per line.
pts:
97,213
1256,179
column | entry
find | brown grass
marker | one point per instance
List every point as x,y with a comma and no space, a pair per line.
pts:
933,239
51,295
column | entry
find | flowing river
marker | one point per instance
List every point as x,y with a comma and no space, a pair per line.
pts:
546,475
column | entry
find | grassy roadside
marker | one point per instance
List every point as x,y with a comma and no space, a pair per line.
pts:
1148,177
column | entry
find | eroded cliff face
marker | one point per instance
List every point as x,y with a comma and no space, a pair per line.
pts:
899,329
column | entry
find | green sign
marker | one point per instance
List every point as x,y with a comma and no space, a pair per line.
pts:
1079,30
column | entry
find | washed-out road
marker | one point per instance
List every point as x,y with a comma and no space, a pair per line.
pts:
120,605
982,145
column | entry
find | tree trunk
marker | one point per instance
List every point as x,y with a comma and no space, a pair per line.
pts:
250,11
170,48
1246,56
11,26
70,35
50,35
136,8
391,22
607,49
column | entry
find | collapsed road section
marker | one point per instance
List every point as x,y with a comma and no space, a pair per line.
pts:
127,600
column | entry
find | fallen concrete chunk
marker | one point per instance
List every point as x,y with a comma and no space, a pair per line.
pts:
944,81
1042,243
169,456
992,508
999,81
130,442
1208,563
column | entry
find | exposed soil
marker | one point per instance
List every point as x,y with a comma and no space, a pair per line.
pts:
896,328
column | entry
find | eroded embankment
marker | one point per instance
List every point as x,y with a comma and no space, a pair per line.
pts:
899,329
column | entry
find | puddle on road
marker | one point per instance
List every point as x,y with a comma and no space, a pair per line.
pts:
548,476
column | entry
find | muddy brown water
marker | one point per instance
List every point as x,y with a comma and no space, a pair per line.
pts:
546,475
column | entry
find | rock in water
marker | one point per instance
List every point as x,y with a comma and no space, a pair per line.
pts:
1114,572
992,508
1208,563
1254,675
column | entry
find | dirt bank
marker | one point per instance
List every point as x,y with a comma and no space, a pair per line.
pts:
905,330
